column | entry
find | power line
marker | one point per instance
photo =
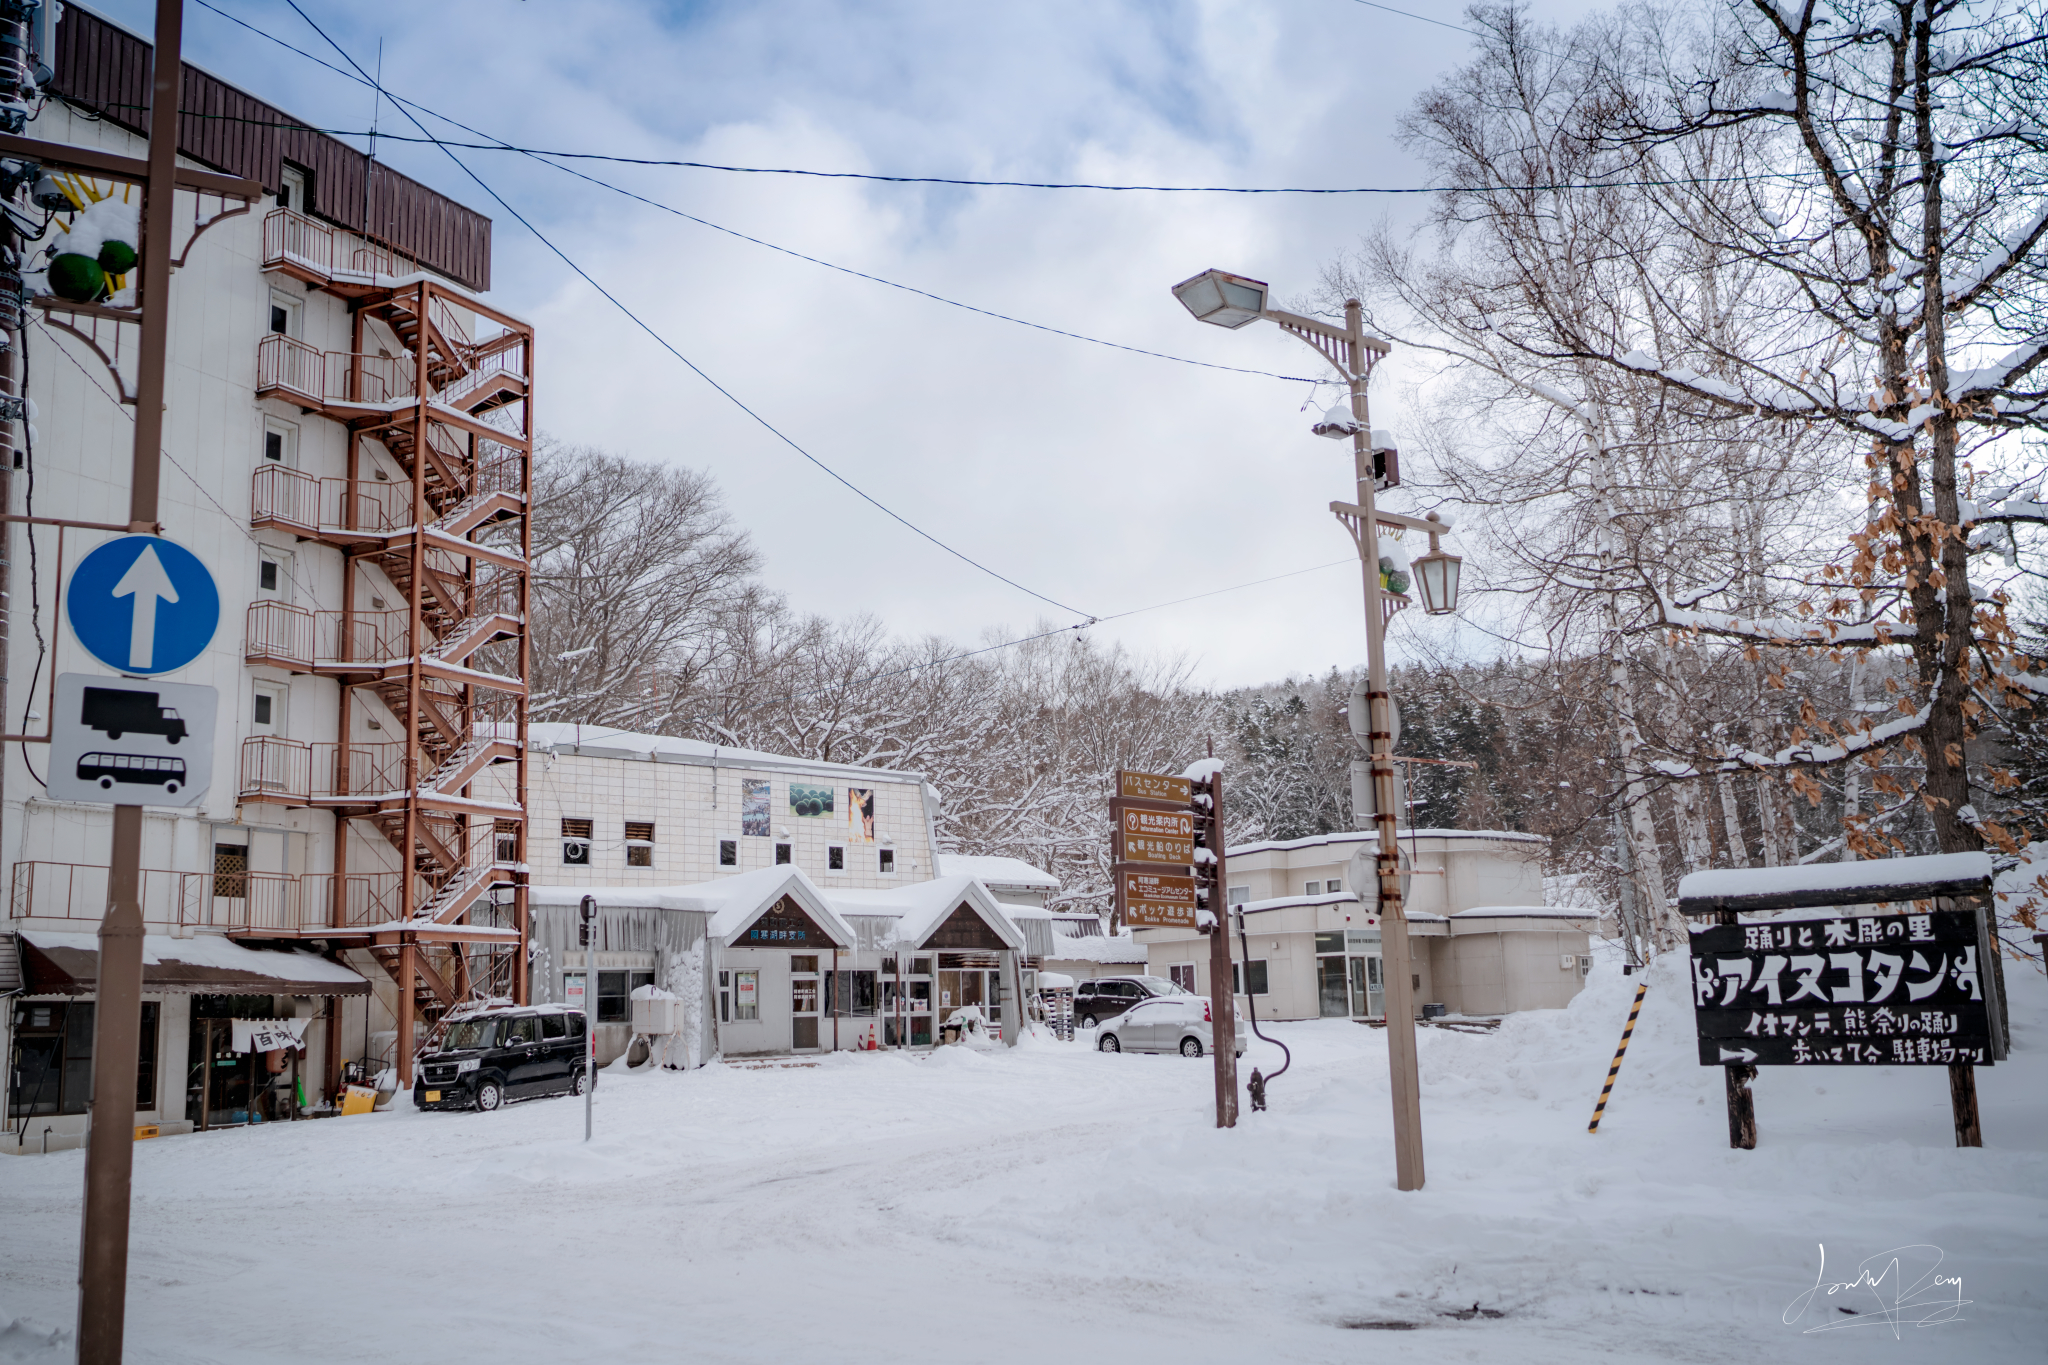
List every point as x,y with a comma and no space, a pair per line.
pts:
731,397
498,144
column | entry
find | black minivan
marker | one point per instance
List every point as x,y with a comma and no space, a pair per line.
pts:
506,1052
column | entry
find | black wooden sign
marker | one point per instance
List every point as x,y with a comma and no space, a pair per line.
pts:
1869,990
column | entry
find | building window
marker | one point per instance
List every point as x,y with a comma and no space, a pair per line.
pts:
284,314
1332,886
835,858
575,843
746,995
266,576
850,993
1183,975
230,871
639,843
1314,889
781,854
615,995
1257,972
725,997
728,853
888,860
280,442
51,1069
261,714
1240,894
505,835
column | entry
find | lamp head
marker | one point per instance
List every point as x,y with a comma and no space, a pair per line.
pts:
1339,422
1221,298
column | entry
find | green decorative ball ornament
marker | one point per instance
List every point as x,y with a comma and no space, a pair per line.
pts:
77,278
117,258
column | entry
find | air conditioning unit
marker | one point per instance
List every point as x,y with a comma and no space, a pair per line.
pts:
657,1014
1568,962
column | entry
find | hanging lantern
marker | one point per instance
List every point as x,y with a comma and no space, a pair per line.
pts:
1436,573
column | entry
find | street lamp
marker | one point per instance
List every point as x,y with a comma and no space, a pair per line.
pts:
1223,299
1436,573
1226,300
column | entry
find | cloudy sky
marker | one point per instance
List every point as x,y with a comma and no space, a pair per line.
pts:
1102,480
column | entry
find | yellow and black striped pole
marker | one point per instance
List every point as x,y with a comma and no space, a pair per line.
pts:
1615,1070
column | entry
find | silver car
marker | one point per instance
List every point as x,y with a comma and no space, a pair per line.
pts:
1175,1023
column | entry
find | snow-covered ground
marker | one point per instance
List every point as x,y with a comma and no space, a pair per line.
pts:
1053,1203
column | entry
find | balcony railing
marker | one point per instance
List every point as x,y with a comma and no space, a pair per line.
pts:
78,891
251,903
293,239
308,375
276,770
281,635
285,497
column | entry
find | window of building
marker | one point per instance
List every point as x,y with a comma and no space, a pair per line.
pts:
1314,889
835,858
887,860
1335,884
850,993
284,313
615,994
1182,974
781,854
576,842
50,1071
639,843
505,834
231,871
1257,973
1239,895
725,997
280,442
728,853
746,995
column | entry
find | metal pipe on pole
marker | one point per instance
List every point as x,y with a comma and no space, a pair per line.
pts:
110,1142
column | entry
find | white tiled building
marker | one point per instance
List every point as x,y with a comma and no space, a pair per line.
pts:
612,808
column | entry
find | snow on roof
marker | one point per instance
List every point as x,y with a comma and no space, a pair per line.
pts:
1525,912
604,740
732,902
921,907
1103,948
212,950
995,871
1834,878
1357,836
1327,898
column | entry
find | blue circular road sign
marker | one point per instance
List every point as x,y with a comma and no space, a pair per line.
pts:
143,604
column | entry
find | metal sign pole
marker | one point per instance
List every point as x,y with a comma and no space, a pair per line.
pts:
588,911
110,1150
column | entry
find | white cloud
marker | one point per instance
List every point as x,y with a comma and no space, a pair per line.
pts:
1105,480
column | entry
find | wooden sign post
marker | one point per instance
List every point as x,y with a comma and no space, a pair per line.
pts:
1168,828
1918,983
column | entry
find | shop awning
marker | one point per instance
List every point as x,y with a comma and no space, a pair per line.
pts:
69,964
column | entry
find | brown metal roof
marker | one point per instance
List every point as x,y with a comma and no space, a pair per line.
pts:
103,67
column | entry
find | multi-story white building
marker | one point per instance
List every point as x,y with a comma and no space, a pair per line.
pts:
346,449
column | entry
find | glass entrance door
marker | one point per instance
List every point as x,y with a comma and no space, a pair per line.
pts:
1367,987
804,992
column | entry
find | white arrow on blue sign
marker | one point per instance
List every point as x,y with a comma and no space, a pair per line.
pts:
143,604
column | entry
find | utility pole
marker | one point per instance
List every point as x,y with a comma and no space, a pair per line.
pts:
110,1142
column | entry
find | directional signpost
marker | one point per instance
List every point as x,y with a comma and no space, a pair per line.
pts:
1162,823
